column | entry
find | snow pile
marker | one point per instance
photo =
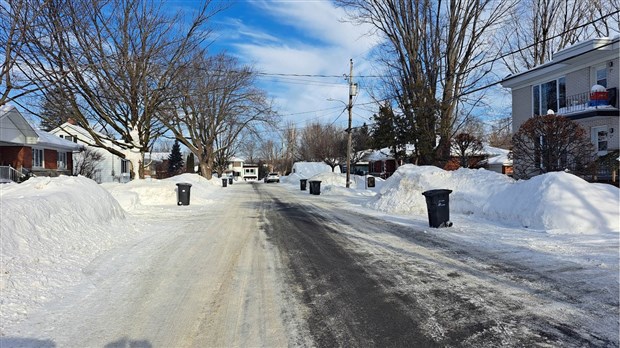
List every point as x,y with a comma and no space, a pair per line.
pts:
309,169
139,194
50,228
554,201
306,170
331,183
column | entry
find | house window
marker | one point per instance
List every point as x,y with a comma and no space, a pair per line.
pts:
124,166
70,138
599,139
601,76
61,160
37,158
549,96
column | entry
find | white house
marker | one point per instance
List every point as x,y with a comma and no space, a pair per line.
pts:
111,168
239,169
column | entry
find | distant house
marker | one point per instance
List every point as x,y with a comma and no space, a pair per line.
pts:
381,163
26,150
581,83
111,168
250,172
489,157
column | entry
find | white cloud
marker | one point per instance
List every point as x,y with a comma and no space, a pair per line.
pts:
315,41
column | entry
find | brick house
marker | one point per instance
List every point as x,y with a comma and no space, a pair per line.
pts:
26,150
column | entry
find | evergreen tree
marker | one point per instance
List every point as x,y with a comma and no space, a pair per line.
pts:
383,131
55,109
175,159
362,140
190,163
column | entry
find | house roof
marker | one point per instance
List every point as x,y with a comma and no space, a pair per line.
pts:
11,118
48,140
574,57
83,135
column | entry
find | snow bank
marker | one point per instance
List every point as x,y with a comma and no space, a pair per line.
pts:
152,192
554,201
309,169
306,170
332,183
50,228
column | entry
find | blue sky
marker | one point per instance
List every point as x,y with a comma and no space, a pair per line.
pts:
299,38
311,38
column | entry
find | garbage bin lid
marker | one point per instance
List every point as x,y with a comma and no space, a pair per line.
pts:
184,184
436,192
315,180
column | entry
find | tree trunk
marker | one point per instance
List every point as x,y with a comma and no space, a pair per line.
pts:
205,170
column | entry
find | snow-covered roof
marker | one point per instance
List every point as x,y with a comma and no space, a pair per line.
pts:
51,141
581,53
157,156
83,134
10,117
309,169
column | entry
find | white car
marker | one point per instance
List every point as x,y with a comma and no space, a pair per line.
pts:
272,177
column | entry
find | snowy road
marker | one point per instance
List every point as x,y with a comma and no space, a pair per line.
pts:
367,282
268,266
205,278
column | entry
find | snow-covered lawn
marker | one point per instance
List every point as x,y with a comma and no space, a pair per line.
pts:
53,228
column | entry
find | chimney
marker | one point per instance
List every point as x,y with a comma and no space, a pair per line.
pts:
71,121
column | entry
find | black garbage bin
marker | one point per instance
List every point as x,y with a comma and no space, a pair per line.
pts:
183,189
230,180
315,187
224,182
438,206
302,184
370,181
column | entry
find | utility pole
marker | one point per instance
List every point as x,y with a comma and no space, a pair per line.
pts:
352,92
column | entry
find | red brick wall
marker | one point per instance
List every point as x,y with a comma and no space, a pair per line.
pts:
16,156
70,162
50,157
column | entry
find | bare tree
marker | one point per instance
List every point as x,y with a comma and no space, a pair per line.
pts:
271,154
17,18
323,143
501,133
311,140
467,146
216,100
437,53
290,142
116,60
549,144
540,28
87,163
248,147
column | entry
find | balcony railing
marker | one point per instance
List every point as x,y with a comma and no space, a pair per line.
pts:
588,101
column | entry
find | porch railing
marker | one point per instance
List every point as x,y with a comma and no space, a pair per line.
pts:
10,173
